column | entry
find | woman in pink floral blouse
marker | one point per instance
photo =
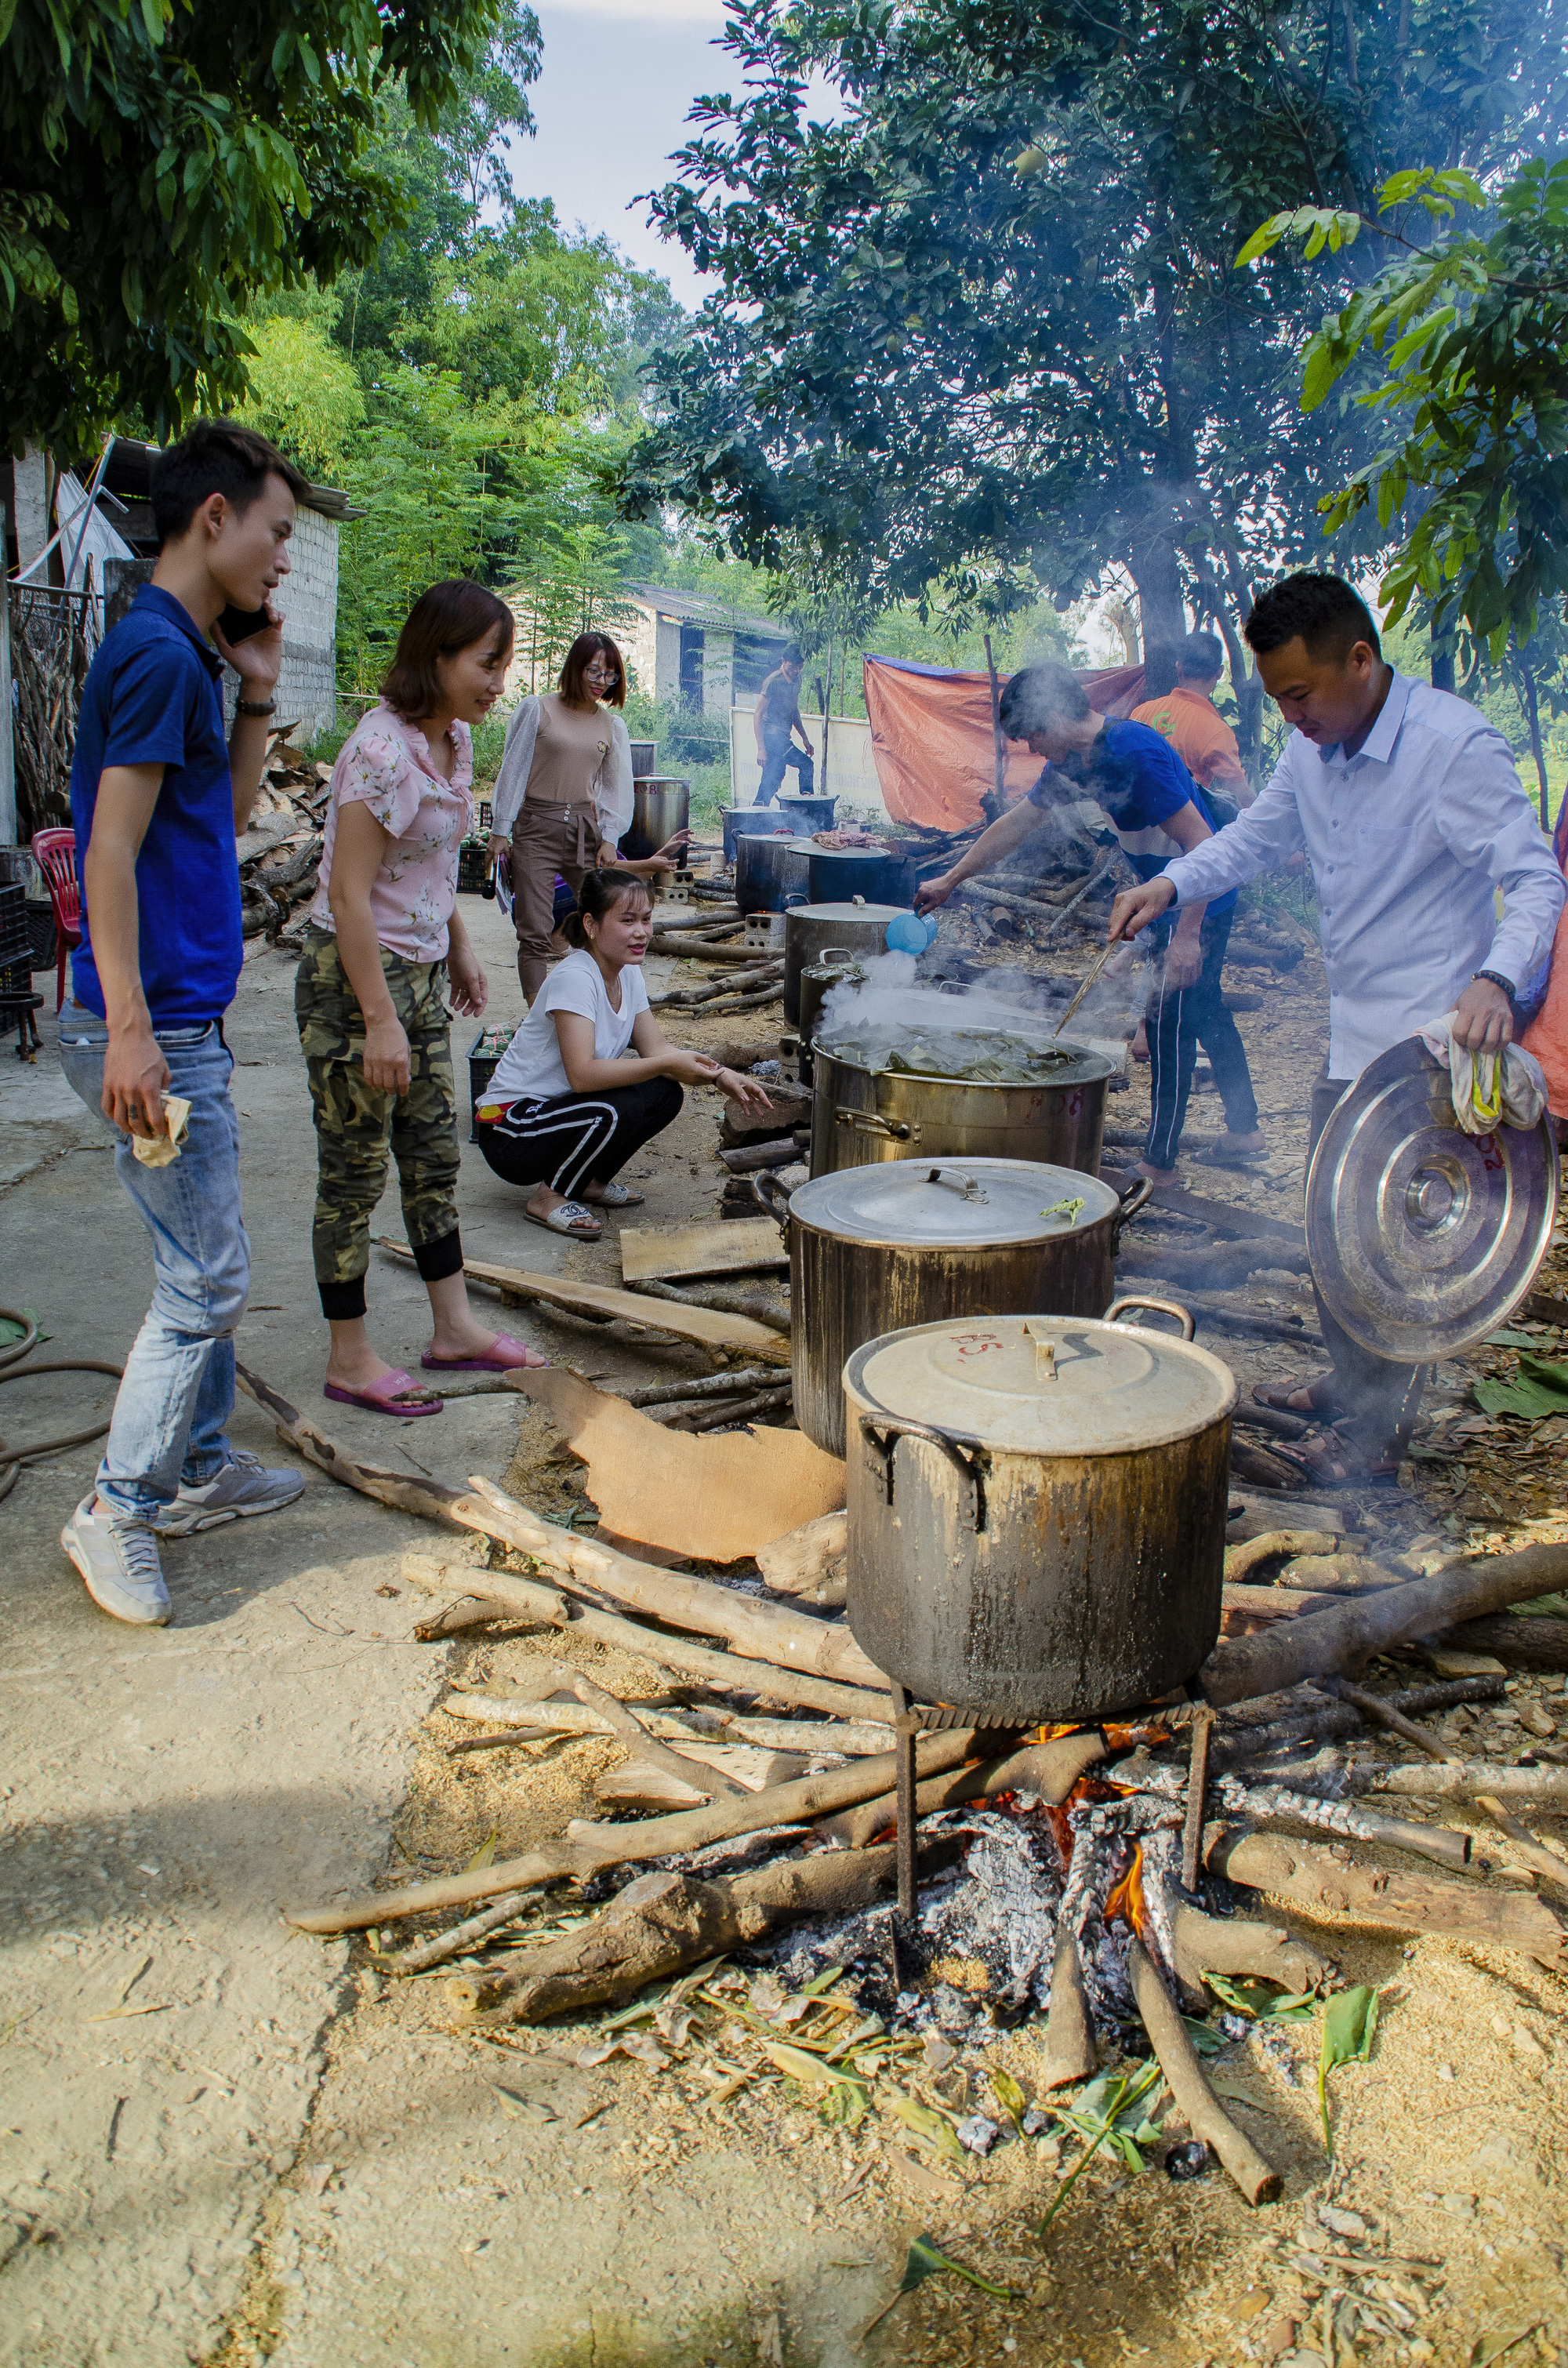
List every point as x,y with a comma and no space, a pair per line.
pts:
385,939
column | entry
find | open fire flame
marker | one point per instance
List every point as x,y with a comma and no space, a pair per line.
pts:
1125,1900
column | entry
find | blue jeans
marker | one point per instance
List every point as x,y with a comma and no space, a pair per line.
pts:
178,1393
776,754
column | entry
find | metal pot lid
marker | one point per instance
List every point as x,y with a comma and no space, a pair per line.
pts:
789,834
1424,1238
952,1203
846,911
1043,1384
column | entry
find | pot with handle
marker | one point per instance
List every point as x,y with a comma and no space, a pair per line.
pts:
1037,1510
861,1114
834,967
835,873
807,814
659,808
876,1249
769,866
808,929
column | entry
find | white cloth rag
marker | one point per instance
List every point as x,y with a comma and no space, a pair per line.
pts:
1506,1089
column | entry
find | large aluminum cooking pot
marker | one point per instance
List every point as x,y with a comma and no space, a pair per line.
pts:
659,808
1036,1511
876,1249
809,930
860,1114
768,870
807,814
837,873
735,819
818,979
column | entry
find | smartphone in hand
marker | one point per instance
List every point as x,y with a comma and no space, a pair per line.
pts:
239,624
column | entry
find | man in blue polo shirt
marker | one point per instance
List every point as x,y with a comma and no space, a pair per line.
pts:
157,798
1157,811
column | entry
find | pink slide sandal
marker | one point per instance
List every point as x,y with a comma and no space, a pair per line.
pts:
505,1357
394,1394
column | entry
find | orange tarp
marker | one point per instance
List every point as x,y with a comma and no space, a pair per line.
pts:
1547,1035
932,740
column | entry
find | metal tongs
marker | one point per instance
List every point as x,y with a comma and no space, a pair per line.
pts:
1095,968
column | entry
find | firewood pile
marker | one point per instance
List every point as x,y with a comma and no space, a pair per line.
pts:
279,852
1104,1910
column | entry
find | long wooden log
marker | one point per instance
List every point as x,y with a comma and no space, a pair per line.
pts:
1276,1545
1240,1945
751,1305
1529,1644
1468,1780
767,1631
1335,1642
432,1500
1326,1882
852,1740
661,1923
589,1850
701,1321
1070,2052
1185,2076
524,1598
1051,1769
632,1730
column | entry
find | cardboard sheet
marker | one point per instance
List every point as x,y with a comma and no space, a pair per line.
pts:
715,1499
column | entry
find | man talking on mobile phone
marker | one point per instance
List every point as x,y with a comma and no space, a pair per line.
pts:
157,798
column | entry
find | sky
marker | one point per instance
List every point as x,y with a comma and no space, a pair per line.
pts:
610,104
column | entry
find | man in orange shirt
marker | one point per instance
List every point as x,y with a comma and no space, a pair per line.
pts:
1189,719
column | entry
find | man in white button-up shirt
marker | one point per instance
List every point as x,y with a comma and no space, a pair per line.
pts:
1407,805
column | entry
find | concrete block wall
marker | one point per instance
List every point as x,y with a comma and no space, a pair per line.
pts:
307,687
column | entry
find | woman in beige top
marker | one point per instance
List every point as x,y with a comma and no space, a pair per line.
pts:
563,792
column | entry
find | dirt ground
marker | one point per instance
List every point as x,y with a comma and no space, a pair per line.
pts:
289,2156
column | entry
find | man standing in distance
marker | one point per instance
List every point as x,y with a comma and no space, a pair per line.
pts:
1406,804
1157,811
1188,717
777,720
157,800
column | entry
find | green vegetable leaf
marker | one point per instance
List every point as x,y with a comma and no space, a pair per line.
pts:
931,2128
1349,2027
810,2070
1010,2097
1263,2001
926,2259
1068,1209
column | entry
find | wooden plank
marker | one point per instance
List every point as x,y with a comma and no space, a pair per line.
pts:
666,1253
706,1326
1223,1215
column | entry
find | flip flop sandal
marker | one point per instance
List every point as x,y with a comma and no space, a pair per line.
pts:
394,1394
619,1196
507,1357
567,1219
1220,1155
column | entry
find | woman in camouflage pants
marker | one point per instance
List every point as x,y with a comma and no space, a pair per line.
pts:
384,944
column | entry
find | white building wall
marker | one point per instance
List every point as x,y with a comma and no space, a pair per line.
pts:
307,684
717,671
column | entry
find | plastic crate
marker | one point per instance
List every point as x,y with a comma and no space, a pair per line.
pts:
483,1057
474,877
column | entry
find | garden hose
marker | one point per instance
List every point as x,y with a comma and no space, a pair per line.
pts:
12,1370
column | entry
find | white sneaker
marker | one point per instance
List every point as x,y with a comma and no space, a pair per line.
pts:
119,1560
245,1486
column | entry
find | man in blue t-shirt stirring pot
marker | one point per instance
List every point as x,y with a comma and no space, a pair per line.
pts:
157,798
1158,812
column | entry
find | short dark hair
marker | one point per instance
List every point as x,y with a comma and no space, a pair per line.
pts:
1040,695
215,456
600,893
1201,656
1161,670
449,617
574,666
1328,614
793,655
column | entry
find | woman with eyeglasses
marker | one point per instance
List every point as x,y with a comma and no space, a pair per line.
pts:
564,795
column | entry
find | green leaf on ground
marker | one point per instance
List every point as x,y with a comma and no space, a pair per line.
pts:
1010,2097
1263,2001
1349,2027
926,2259
1542,1389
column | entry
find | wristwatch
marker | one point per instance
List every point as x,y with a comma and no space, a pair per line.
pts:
1496,978
256,707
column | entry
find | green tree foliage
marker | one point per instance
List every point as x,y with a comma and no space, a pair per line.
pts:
987,313
1470,331
303,393
167,162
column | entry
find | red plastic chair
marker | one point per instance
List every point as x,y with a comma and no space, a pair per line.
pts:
55,852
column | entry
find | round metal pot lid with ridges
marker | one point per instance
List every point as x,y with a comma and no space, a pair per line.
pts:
842,912
1058,1386
952,1203
1423,1238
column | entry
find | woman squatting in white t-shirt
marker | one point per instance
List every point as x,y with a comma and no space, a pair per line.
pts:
566,1109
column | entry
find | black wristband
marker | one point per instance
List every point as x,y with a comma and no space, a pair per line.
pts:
1496,978
254,707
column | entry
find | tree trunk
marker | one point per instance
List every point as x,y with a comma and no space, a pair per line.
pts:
1532,716
1162,613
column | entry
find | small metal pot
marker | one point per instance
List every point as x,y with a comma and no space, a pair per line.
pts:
1036,1511
837,873
860,1114
817,980
808,929
659,808
876,1249
807,814
767,870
